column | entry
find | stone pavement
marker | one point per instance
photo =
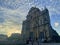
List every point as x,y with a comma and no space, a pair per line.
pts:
44,44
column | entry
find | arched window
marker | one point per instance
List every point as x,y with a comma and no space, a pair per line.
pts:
41,36
31,36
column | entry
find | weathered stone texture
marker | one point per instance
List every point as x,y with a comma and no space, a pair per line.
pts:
37,25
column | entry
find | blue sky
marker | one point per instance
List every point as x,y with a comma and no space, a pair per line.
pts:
13,12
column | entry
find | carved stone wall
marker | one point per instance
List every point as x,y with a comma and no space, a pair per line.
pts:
37,25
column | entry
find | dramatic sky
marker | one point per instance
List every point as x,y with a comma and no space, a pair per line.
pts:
13,12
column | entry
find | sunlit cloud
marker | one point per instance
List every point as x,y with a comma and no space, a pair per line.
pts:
56,24
10,28
13,30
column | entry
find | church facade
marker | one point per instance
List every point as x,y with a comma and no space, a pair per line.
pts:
37,26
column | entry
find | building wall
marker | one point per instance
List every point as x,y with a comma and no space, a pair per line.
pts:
37,25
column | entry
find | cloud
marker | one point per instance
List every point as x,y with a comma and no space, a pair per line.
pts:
56,24
12,20
13,15
12,4
9,28
13,12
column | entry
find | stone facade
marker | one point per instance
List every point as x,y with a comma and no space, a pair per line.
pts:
37,25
